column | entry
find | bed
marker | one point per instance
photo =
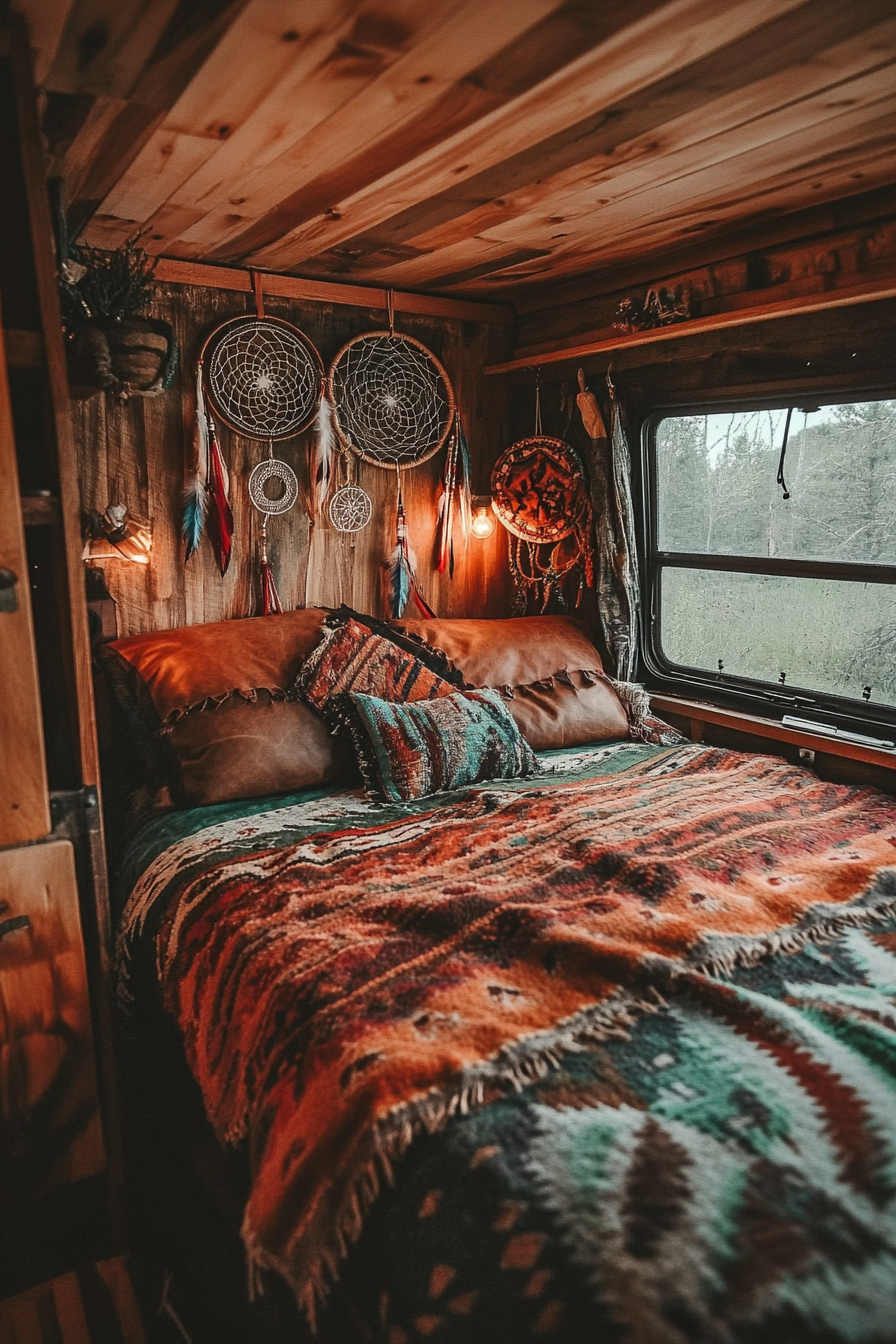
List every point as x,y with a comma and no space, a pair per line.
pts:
607,1051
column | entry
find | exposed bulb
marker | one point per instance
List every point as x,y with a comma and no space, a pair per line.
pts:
483,524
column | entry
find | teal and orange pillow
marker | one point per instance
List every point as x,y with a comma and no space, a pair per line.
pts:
354,657
414,749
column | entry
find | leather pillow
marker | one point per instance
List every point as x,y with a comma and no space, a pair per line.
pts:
547,668
207,711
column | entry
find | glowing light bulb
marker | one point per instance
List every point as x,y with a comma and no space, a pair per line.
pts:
483,524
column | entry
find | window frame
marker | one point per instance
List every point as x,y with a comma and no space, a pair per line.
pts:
745,693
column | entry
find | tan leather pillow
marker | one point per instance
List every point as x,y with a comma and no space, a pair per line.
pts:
207,708
547,668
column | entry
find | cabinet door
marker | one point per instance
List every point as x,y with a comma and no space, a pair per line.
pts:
24,803
49,1109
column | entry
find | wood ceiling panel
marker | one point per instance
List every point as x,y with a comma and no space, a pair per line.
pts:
408,107
828,72
828,176
748,153
665,41
477,146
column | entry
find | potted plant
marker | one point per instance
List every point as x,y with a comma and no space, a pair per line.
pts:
111,344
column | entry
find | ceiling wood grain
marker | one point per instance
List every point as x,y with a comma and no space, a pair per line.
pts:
485,148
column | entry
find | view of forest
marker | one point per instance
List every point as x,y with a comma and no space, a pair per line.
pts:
717,494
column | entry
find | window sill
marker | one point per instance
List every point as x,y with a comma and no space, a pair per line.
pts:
698,713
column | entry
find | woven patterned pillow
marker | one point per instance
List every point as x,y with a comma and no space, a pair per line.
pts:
351,657
412,750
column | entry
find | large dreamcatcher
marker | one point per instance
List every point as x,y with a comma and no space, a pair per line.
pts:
264,379
393,406
540,495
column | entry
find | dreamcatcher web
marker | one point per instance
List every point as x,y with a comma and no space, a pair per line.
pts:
264,378
392,399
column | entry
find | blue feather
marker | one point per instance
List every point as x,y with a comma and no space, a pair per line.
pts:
399,582
195,509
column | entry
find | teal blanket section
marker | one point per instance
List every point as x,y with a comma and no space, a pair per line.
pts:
722,1173
154,837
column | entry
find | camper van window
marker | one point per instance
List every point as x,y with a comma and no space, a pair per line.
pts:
769,582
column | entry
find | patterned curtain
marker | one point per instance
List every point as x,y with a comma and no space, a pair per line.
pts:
618,587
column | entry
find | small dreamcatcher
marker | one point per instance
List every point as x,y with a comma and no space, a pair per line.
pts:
540,496
350,507
273,489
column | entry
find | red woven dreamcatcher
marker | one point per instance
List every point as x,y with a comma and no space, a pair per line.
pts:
540,495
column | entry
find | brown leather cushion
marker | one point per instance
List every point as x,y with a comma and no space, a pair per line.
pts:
207,710
194,663
515,655
246,749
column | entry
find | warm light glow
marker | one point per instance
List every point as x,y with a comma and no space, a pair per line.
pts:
483,524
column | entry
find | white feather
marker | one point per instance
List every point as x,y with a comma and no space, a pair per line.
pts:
322,456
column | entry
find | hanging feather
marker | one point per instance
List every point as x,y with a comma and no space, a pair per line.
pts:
399,582
220,517
195,494
322,455
270,598
446,508
464,487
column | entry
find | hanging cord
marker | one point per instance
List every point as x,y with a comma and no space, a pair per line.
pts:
780,479
258,292
538,403
390,308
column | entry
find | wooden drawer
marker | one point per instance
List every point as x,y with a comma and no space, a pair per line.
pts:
49,1108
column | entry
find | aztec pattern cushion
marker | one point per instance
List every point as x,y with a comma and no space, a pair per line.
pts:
547,669
413,750
258,740
354,657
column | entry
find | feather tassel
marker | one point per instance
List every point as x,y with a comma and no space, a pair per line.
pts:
270,598
464,487
399,582
196,492
195,510
322,456
220,517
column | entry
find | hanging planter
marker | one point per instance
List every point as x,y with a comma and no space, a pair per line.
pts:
134,356
111,345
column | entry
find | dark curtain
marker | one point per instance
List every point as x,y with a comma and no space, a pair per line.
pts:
617,578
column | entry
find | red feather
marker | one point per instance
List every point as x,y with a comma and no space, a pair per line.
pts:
220,516
270,598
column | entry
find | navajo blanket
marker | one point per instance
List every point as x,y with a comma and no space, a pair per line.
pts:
347,975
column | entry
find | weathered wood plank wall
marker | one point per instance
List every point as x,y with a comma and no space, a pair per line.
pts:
135,452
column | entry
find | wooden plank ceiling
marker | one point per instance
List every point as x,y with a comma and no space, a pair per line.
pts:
471,147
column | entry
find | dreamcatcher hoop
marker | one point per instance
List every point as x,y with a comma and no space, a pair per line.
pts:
273,469
264,376
537,489
350,509
392,399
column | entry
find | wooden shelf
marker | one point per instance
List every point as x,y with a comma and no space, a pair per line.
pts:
698,711
811,303
176,272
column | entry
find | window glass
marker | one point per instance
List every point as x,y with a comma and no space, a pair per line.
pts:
827,635
717,491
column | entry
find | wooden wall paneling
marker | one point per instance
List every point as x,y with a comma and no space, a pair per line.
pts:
136,450
587,352
643,52
24,801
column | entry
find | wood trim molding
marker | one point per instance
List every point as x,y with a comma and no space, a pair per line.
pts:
698,711
170,271
813,303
